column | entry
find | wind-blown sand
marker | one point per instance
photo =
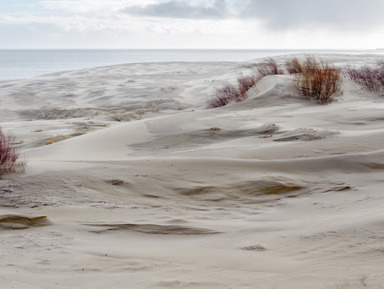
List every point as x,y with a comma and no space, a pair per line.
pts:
143,187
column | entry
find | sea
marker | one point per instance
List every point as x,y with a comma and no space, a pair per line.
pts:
22,64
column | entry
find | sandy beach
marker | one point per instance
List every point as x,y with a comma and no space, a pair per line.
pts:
131,182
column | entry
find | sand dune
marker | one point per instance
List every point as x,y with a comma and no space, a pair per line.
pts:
132,183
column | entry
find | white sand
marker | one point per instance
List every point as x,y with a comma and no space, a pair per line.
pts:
274,192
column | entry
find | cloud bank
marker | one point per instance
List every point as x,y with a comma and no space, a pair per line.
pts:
344,14
192,24
273,14
179,9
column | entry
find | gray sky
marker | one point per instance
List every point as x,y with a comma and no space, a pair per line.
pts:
247,24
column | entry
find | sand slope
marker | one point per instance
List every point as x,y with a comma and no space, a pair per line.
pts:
273,192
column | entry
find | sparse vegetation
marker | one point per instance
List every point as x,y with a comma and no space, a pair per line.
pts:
245,83
319,80
270,67
293,66
224,95
371,78
214,129
316,80
9,154
230,93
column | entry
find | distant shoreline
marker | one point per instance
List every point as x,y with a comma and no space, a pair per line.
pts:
21,64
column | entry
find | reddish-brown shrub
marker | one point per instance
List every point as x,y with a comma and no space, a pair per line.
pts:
380,73
268,68
229,93
293,66
319,80
9,154
224,95
245,83
371,78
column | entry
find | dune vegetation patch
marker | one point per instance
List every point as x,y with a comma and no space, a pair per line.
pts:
225,95
293,66
236,93
269,67
316,80
9,154
371,78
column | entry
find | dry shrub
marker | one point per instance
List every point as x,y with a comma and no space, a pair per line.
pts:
293,66
224,95
319,80
371,78
381,74
9,154
230,93
245,83
268,68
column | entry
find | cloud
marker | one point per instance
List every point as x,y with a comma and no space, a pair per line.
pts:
88,6
343,14
280,15
179,9
193,23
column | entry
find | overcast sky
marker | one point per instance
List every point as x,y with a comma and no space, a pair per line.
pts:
243,24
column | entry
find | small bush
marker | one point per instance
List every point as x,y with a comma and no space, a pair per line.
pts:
319,80
371,78
222,96
381,73
245,83
269,68
293,66
230,93
9,154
